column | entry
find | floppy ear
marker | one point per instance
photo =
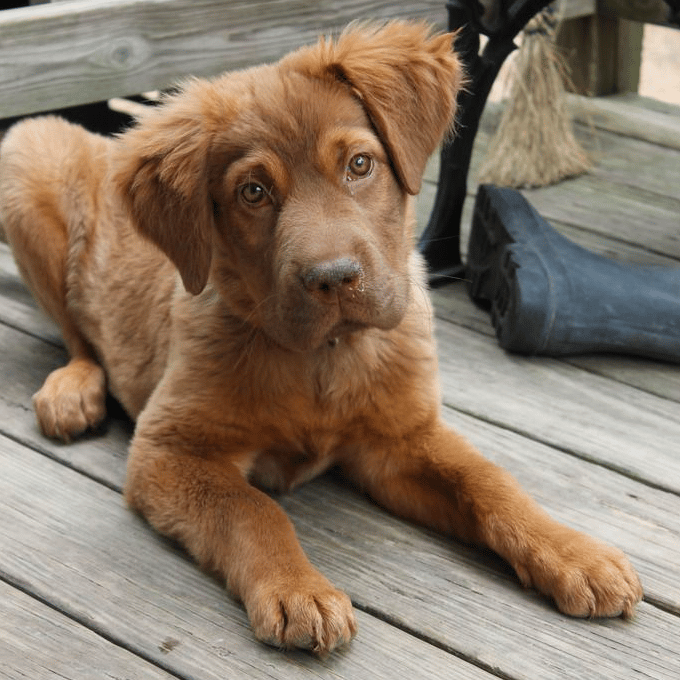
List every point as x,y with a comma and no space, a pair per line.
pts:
160,170
407,79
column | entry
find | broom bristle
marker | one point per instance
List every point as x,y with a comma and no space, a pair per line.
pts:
534,144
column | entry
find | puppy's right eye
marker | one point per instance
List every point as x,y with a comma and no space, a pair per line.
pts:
254,194
359,166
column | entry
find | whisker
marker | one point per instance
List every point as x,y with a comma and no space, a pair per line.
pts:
248,348
465,279
417,284
440,239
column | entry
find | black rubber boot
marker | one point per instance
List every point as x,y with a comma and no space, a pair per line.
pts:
549,296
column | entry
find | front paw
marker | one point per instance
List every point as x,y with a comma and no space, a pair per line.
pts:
308,613
585,577
71,400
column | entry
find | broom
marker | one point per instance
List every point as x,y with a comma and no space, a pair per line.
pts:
534,144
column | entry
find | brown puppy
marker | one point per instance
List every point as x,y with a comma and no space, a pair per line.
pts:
298,337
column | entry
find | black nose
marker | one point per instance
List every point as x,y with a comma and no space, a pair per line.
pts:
332,275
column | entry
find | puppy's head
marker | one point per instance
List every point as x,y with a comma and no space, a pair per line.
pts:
287,184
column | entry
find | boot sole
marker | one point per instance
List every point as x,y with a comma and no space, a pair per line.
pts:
501,217
506,233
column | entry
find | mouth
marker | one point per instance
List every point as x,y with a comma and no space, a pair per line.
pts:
342,329
302,324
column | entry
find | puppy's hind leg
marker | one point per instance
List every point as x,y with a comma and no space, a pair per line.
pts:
32,188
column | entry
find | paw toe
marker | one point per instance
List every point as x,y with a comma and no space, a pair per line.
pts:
320,622
603,585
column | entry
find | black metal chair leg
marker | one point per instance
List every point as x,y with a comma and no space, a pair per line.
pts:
440,241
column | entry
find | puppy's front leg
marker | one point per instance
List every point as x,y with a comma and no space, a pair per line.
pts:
241,534
435,477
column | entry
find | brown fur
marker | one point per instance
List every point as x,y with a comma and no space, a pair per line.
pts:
301,336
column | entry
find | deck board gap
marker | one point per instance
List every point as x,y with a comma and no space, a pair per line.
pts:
31,334
573,361
434,642
576,226
563,449
54,456
82,621
661,606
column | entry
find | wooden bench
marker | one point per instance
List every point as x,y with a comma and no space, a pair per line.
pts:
73,52
69,52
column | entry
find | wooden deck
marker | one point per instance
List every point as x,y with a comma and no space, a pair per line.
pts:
87,590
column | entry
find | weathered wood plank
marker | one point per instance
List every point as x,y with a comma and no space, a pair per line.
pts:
68,53
654,377
18,308
593,417
452,303
602,53
39,643
71,542
629,115
625,212
622,132
26,362
645,11
568,9
635,160
656,167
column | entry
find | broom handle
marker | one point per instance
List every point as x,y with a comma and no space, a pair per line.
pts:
440,240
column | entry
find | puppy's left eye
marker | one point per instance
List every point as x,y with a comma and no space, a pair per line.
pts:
254,194
359,166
